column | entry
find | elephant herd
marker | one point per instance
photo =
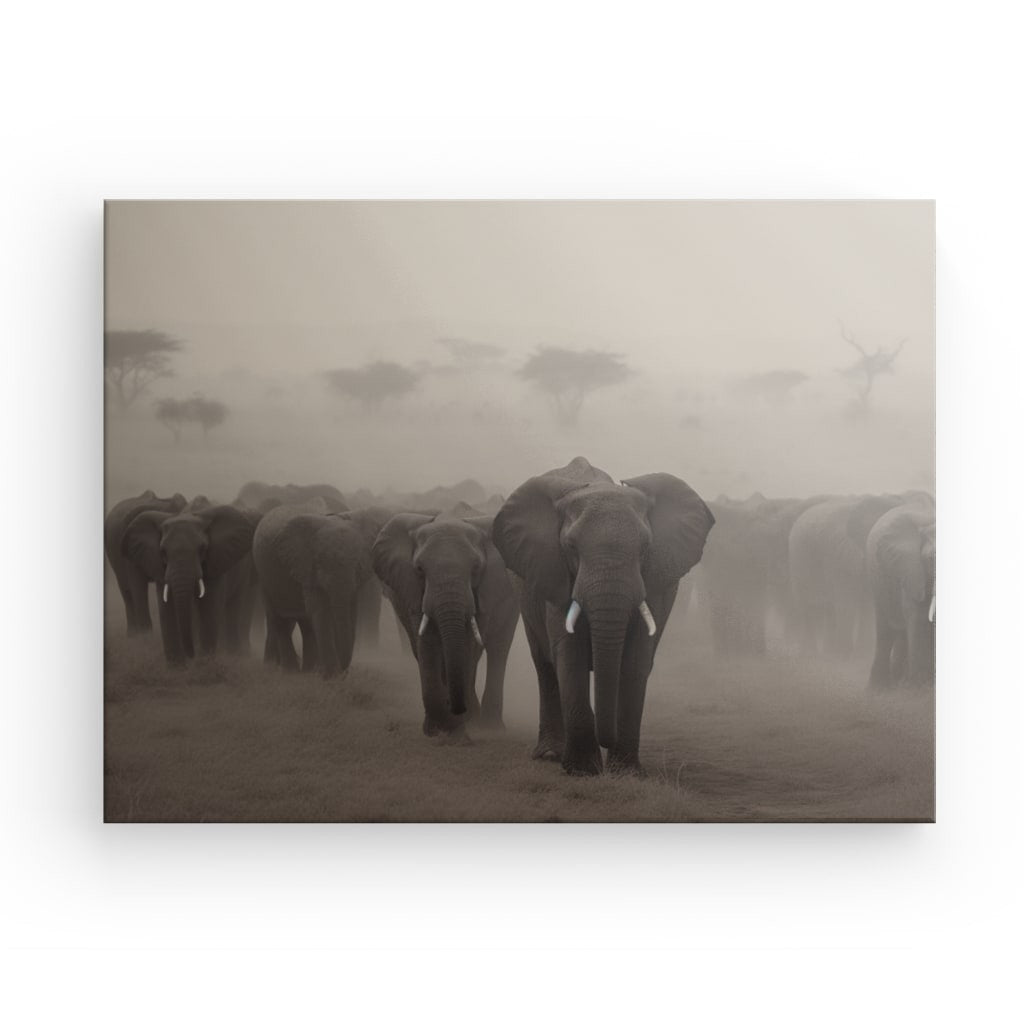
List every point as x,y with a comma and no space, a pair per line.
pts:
592,566
833,575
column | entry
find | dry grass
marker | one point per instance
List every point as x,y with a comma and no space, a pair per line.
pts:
778,740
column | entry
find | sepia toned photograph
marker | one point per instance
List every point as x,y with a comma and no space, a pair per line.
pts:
519,512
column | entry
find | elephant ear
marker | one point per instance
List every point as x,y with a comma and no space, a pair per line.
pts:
367,521
680,523
392,562
527,534
140,543
494,584
865,513
230,538
900,557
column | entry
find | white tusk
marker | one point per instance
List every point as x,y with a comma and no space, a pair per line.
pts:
648,618
202,588
423,625
931,610
166,591
570,619
476,630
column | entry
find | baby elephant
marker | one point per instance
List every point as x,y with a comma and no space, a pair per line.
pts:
453,596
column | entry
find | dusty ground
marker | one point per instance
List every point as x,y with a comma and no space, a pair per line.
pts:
771,740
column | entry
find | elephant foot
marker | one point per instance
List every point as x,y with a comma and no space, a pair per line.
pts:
625,764
490,721
548,748
452,728
583,760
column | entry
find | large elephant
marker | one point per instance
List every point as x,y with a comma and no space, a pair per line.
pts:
828,571
452,594
131,580
600,565
744,572
312,567
197,558
901,569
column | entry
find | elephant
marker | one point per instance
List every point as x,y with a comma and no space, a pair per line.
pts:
453,596
744,572
197,558
600,565
264,497
828,571
312,567
131,580
901,570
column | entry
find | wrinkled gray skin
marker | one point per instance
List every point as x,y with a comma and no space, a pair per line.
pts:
573,534
312,567
828,572
326,498
901,570
744,571
446,568
207,544
132,582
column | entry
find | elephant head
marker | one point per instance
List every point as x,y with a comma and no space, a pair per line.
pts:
599,552
185,552
441,572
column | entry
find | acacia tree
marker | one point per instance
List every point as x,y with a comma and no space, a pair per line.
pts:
132,360
567,377
373,383
867,367
174,413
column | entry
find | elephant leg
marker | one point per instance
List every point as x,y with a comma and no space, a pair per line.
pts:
367,627
882,667
129,608
899,655
346,627
310,648
136,602
210,610
173,651
637,662
492,705
437,716
473,655
920,651
572,664
550,732
279,637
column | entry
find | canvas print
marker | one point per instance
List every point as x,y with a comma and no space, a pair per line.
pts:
519,512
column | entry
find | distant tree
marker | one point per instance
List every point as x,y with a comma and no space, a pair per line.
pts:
170,412
209,413
867,367
132,360
568,376
175,413
373,383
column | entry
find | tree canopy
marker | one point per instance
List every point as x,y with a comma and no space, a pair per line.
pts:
174,413
374,382
569,376
132,360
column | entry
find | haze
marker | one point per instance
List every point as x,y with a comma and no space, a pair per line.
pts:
694,297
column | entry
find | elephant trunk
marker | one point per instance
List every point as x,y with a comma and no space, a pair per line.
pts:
609,619
182,595
452,624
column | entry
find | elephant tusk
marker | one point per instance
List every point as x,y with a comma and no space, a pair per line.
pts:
167,590
476,630
423,625
931,610
570,619
202,588
648,619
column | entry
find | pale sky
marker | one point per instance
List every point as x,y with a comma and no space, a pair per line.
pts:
723,287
